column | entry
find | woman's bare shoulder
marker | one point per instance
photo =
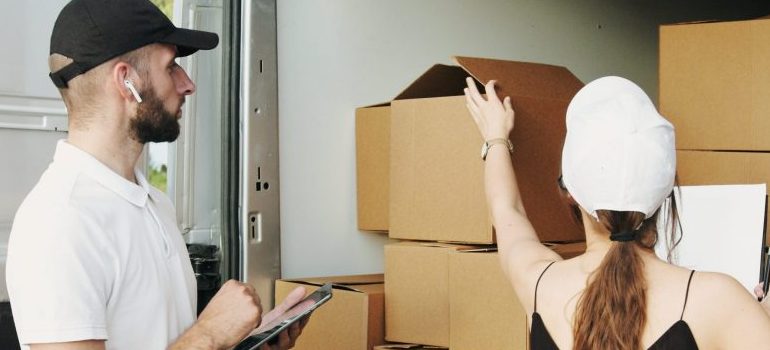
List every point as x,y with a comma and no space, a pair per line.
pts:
717,285
720,309
718,295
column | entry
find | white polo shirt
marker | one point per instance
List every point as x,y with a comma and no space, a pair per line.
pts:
95,256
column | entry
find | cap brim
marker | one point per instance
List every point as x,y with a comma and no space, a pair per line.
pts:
188,41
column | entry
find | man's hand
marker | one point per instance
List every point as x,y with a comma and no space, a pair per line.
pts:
288,337
230,315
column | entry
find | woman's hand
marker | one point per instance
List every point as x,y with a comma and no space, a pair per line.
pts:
493,117
760,294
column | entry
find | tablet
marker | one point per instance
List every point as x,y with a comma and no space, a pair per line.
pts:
267,332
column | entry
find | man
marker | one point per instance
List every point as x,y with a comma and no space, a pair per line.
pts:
95,260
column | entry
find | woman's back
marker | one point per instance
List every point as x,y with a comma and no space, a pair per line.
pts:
678,307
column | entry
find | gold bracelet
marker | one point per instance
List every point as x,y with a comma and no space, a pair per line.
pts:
489,143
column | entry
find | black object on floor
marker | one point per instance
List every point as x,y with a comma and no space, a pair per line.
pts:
205,264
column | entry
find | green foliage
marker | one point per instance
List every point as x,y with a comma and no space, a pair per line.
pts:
159,177
167,6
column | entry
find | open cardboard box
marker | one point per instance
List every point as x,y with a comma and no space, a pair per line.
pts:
715,84
352,320
436,188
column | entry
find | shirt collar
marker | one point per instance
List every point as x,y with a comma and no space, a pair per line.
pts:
72,157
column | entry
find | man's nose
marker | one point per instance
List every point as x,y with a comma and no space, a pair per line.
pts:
185,85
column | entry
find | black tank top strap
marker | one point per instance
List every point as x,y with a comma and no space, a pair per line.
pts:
686,294
538,282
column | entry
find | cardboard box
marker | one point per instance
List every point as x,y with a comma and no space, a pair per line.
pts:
436,173
417,292
484,312
724,168
352,320
418,278
408,346
373,167
715,84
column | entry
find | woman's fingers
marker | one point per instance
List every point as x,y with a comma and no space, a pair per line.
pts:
492,116
507,104
475,95
489,89
472,107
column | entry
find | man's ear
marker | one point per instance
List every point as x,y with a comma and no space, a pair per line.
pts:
120,73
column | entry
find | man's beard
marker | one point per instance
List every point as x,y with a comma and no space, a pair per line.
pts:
153,123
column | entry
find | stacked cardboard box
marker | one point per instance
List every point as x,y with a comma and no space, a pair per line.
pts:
455,296
715,89
420,179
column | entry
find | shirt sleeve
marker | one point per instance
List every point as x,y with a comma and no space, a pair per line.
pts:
59,275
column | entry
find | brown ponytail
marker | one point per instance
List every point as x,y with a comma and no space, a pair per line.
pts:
612,312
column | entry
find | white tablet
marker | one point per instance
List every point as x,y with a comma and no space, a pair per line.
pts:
267,332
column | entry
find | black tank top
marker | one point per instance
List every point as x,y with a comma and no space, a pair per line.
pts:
678,336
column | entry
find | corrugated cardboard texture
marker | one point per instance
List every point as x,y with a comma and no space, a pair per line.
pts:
417,293
408,346
422,278
723,168
373,167
437,189
351,320
484,312
715,84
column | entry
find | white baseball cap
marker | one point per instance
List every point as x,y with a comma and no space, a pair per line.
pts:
619,153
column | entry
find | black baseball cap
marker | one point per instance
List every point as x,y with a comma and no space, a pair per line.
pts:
91,32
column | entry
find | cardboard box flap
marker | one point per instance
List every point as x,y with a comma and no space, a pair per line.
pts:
513,79
382,104
478,250
692,22
456,246
355,283
439,81
704,21
526,79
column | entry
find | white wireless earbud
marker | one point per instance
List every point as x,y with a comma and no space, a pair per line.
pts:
131,88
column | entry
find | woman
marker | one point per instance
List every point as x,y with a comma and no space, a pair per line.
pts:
618,167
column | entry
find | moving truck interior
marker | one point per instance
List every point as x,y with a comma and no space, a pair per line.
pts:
263,175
